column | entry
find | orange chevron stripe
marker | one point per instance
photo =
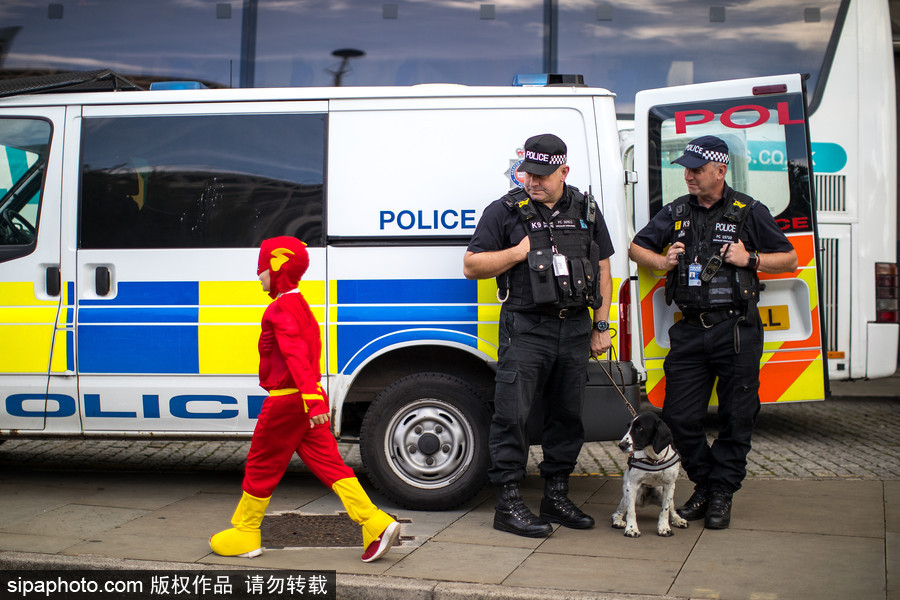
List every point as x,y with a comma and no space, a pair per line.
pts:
775,378
779,373
782,357
814,339
647,310
805,246
657,395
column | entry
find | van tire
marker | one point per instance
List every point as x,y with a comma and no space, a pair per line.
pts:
424,441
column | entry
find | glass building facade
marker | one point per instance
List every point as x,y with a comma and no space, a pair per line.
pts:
621,45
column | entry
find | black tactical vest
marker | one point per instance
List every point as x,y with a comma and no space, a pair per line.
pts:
721,285
568,233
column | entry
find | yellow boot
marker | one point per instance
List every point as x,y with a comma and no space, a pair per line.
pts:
244,539
380,532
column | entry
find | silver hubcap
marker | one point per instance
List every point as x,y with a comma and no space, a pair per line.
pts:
429,443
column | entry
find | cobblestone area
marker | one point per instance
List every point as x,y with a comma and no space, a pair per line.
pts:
839,438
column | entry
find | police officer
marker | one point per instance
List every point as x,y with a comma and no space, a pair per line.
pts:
548,247
719,240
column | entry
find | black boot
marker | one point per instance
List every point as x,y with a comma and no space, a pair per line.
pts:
511,514
557,508
696,506
719,514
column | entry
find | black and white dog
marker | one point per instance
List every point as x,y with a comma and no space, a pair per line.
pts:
653,468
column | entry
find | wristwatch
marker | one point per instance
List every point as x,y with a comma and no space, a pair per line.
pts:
753,261
601,326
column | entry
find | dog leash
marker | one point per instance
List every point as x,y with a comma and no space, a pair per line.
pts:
608,372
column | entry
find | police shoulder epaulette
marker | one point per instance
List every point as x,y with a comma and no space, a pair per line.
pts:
513,197
739,206
517,199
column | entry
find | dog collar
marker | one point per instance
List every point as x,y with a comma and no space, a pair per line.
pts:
648,464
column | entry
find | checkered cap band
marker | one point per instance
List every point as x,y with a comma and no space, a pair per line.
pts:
721,157
545,159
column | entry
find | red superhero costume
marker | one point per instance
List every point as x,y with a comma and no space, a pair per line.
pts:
289,356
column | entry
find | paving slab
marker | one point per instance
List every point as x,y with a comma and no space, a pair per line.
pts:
450,561
587,573
163,545
737,564
603,540
46,544
76,520
851,508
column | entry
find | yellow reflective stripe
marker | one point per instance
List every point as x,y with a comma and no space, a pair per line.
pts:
229,314
26,348
23,294
488,316
329,352
230,294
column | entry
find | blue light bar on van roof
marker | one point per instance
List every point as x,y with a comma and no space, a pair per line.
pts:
530,79
177,85
545,79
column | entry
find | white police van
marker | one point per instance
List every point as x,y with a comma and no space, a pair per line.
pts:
130,222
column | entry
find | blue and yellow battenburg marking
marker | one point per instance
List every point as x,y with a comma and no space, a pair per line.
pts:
212,327
370,315
208,327
27,329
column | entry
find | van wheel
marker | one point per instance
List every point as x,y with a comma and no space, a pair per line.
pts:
424,441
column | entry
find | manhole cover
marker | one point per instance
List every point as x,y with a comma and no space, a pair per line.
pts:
293,530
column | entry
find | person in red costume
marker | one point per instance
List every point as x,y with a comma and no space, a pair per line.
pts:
295,416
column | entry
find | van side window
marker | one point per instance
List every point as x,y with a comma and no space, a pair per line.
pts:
212,181
24,144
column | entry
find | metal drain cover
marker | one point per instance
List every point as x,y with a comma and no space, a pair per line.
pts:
294,530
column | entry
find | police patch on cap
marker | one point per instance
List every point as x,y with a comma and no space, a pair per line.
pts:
703,150
544,154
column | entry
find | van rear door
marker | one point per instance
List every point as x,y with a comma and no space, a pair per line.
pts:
763,121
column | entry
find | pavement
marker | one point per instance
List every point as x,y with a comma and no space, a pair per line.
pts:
818,518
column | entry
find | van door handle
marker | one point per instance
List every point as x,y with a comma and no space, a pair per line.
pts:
53,281
101,281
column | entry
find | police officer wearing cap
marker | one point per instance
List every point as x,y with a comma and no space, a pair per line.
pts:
712,242
549,248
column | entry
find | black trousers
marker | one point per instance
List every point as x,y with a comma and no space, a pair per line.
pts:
542,358
730,351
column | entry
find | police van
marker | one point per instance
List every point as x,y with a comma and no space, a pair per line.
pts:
130,222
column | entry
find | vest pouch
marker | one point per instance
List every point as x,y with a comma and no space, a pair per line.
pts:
671,284
746,286
592,272
579,268
543,282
